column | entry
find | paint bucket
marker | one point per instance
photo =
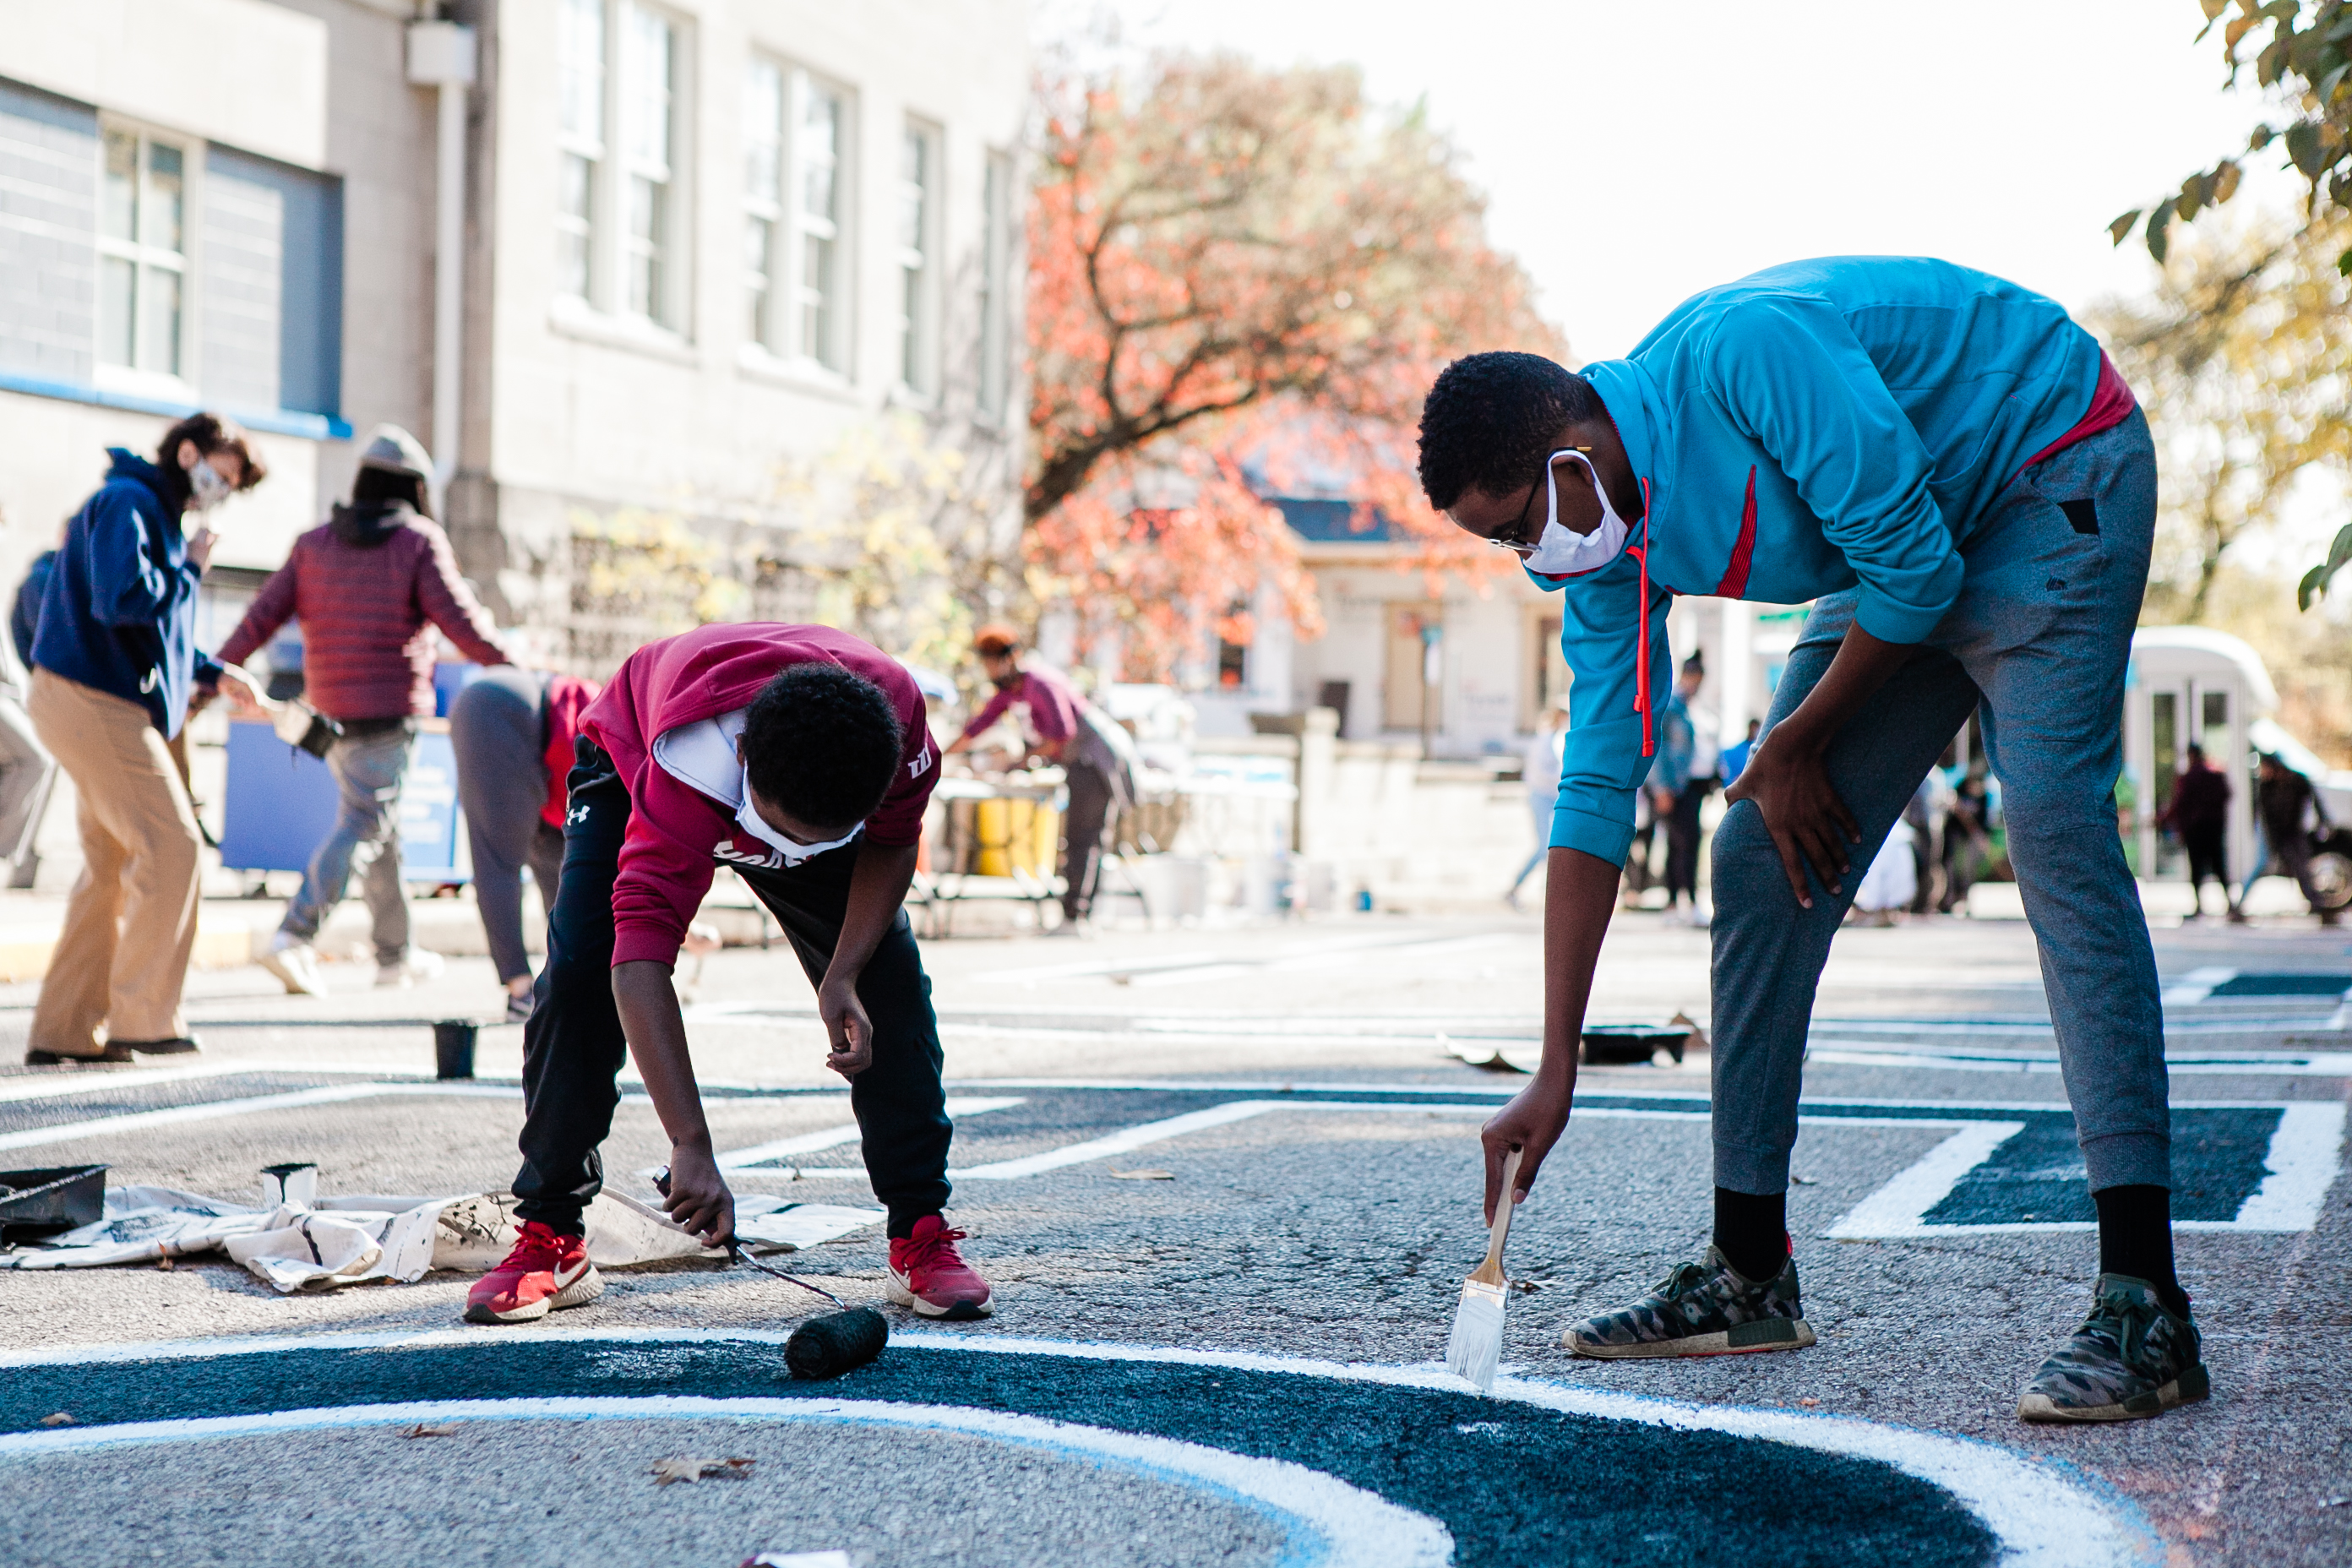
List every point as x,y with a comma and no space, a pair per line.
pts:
453,1047
296,1184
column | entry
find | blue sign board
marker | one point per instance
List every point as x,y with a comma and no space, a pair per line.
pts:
282,803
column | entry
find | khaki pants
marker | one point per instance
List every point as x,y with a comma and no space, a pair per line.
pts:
140,868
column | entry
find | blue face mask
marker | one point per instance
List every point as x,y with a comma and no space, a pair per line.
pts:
1562,552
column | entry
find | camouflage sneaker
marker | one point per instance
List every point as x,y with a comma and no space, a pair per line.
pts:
2132,1358
1702,1308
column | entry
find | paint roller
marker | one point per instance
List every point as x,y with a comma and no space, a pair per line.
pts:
826,1345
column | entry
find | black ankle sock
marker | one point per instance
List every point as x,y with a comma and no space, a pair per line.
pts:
2136,1238
1752,1231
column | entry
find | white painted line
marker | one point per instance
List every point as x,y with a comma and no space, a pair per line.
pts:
213,1110
83,1080
2195,985
1123,1143
1096,966
1899,1208
2042,1519
1327,1519
833,1137
2305,1154
1163,977
2266,1064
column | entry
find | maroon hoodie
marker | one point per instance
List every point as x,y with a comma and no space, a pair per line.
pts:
368,586
677,834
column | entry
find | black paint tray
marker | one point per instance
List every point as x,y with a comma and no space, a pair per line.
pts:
60,1197
1626,1045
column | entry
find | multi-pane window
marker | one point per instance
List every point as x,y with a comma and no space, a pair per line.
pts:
580,73
763,197
649,108
821,284
794,180
997,263
142,253
918,183
620,217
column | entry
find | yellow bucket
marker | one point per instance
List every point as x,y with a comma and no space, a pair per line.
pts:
1014,834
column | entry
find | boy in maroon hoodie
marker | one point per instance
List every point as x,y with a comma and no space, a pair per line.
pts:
800,756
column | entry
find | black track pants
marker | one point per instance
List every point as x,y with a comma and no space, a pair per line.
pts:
573,1047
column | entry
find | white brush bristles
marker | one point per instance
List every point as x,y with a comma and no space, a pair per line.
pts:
1477,1342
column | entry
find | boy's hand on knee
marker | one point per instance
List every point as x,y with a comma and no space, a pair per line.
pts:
697,1196
847,1029
1808,822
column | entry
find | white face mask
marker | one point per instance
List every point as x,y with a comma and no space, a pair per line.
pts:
207,488
749,819
1562,552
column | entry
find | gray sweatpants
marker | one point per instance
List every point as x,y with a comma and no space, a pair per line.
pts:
2039,640
368,768
496,727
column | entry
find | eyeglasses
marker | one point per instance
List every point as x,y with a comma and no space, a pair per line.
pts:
1515,538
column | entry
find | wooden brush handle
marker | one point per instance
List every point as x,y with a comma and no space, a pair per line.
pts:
1491,1271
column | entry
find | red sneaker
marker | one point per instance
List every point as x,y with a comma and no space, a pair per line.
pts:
927,1274
544,1271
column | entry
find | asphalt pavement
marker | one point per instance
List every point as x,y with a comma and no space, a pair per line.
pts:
1226,1183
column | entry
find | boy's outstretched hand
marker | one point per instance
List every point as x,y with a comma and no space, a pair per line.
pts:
697,1197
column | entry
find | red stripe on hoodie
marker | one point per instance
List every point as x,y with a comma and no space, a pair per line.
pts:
676,834
1743,554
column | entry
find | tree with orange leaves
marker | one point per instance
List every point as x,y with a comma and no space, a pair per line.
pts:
1229,263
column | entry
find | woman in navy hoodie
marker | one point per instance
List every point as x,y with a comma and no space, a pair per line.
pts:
113,663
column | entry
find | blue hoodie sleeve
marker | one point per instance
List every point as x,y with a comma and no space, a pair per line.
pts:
127,588
1602,638
1791,373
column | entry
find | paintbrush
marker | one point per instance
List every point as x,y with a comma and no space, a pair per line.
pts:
1477,1342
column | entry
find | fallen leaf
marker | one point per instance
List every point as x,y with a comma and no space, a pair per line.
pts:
1808,1404
164,1264
59,1419
1143,1175
1806,1181
692,1469
422,1430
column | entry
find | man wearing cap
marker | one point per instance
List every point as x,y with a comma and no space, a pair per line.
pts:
1090,746
369,585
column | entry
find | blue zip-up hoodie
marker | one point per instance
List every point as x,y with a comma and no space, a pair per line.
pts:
119,614
1811,428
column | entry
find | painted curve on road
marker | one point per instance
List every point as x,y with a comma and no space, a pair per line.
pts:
1539,1472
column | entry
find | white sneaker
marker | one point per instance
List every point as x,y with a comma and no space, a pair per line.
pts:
416,964
296,963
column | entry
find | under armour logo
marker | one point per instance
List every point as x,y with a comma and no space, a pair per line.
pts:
577,814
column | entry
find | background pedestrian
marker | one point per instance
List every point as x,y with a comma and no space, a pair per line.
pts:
512,731
1064,728
114,666
2200,813
369,585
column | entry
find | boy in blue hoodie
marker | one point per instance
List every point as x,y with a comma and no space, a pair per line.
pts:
1950,469
114,662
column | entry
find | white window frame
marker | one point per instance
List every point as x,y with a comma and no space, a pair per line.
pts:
596,151
621,159
654,174
143,257
994,383
832,350
915,260
767,177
